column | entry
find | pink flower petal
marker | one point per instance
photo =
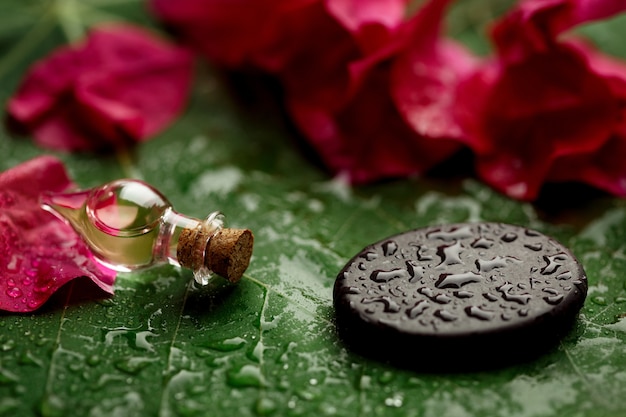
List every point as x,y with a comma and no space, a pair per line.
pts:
426,74
368,140
327,83
371,22
611,69
604,168
543,102
121,85
544,107
38,252
533,26
235,33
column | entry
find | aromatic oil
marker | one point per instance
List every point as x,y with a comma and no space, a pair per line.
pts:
128,224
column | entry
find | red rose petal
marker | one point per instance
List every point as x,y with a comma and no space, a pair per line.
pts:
38,252
120,85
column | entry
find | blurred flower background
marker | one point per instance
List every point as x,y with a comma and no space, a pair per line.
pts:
376,87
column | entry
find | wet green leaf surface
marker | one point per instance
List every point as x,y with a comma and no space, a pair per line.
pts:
163,346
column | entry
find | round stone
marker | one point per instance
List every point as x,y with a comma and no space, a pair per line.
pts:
459,296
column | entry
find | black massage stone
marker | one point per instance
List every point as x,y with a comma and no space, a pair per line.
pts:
458,297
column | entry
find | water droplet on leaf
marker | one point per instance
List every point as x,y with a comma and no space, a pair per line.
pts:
246,376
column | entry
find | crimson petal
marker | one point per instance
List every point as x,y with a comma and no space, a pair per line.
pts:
121,84
38,252
543,105
426,74
367,140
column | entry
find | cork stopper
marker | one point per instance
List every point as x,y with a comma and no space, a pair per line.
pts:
229,252
225,252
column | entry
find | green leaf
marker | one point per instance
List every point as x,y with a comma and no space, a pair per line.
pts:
163,346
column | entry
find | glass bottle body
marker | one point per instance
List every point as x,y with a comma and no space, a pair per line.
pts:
128,225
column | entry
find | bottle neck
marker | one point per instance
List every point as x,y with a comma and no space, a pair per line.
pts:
183,241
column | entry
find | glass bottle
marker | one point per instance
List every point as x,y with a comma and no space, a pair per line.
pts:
128,224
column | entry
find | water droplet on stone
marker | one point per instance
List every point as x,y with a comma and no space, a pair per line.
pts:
463,294
390,306
442,299
428,292
445,315
555,296
564,275
369,256
506,289
417,309
386,276
450,255
554,300
463,232
535,247
485,265
350,290
490,297
457,280
416,272
478,313
509,237
389,248
421,256
482,243
553,263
